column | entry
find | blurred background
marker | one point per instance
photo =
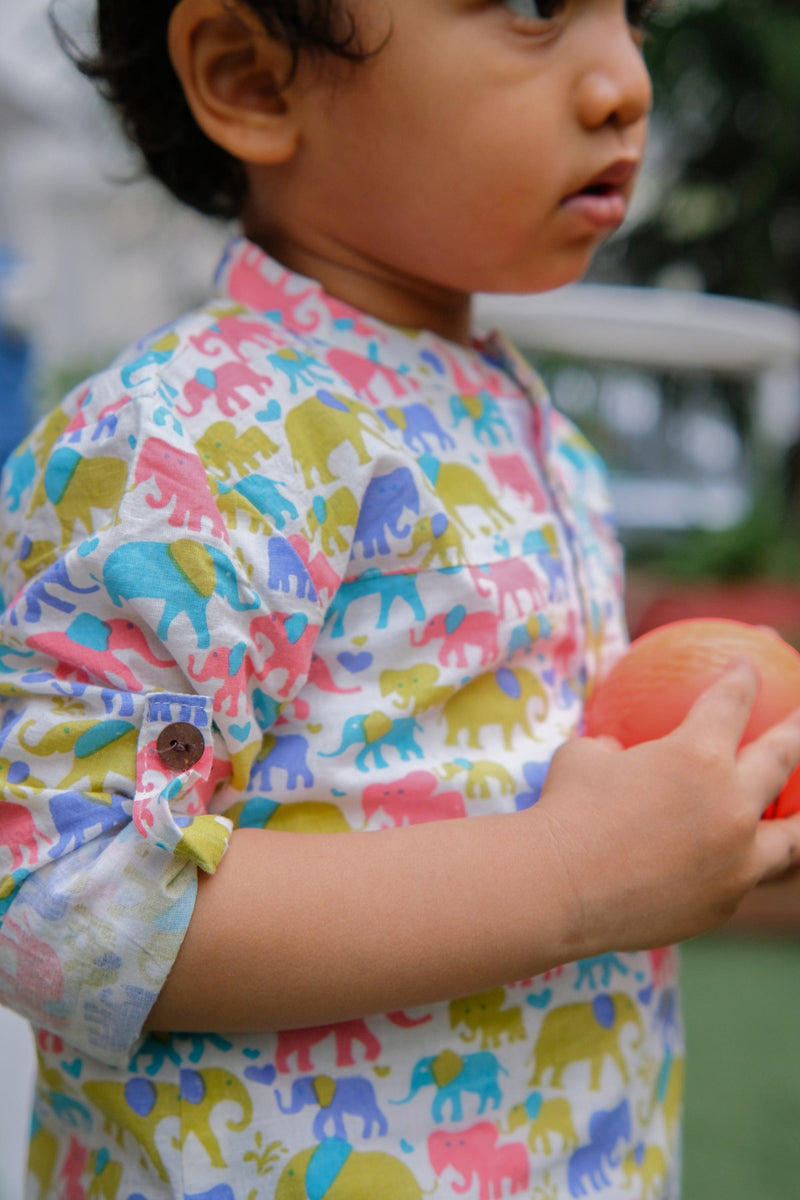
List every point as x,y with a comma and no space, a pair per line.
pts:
679,357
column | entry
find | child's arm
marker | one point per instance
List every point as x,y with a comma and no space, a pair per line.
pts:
624,850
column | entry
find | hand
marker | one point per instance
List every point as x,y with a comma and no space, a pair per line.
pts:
663,840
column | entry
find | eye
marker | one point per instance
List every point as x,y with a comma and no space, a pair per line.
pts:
535,10
641,12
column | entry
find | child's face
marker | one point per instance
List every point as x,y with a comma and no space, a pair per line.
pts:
458,158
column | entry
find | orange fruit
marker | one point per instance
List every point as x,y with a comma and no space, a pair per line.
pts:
651,689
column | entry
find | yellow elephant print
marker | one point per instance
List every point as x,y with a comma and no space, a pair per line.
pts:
484,1014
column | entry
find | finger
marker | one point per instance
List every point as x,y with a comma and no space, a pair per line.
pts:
778,847
766,763
606,741
720,714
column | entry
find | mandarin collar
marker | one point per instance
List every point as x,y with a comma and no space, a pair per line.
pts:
249,276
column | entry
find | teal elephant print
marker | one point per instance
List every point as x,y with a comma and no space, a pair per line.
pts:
374,732
452,1074
333,1170
183,574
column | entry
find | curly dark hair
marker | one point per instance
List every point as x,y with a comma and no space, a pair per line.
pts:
132,69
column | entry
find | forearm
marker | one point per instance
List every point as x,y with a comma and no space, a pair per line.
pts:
305,929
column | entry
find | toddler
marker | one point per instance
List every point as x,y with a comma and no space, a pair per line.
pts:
309,886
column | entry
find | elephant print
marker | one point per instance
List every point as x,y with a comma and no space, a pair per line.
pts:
417,423
181,484
552,1128
488,422
300,1042
231,331
182,575
649,1164
223,449
329,515
587,1164
504,697
349,1096
287,752
588,1032
372,585
511,470
368,377
227,385
458,486
416,686
333,1170
484,1014
411,800
387,501
445,543
318,427
374,732
139,1105
76,485
91,650
451,1075
475,1155
458,630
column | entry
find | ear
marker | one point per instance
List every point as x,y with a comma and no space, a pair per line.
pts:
233,74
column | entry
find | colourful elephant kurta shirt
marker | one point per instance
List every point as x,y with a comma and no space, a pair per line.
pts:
283,566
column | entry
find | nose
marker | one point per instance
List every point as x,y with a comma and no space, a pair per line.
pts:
614,88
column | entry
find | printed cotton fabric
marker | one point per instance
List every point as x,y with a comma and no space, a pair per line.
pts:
372,573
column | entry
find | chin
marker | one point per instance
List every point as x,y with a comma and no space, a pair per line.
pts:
520,279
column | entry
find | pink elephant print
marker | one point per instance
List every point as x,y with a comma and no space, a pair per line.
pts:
511,470
263,295
474,1155
231,332
510,580
459,629
319,675
227,385
231,667
300,1043
286,641
366,376
39,978
181,482
19,834
91,650
411,800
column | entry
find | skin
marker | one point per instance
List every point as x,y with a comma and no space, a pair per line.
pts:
477,178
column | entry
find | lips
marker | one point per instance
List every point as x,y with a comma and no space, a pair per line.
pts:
603,199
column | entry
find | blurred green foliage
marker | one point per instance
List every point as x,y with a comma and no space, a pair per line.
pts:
726,149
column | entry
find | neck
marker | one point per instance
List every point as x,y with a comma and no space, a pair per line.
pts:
372,288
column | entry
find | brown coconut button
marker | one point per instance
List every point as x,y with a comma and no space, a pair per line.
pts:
180,745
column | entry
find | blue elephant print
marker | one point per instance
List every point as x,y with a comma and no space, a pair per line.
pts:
184,574
287,753
386,499
336,1098
388,588
606,1130
377,731
287,571
451,1074
417,423
265,496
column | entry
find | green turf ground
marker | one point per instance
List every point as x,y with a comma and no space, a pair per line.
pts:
742,1010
